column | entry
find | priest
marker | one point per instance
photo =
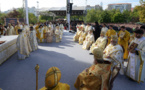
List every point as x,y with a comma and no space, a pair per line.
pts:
17,27
61,30
114,53
123,40
10,30
23,45
110,32
52,79
57,34
104,28
82,37
100,42
89,40
78,33
33,40
40,34
97,76
136,64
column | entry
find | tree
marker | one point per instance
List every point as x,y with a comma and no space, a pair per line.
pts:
134,15
32,18
2,16
126,15
105,17
141,11
13,14
91,15
118,17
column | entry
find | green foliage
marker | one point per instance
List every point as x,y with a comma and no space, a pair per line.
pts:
2,16
32,18
141,11
91,15
113,16
118,18
105,17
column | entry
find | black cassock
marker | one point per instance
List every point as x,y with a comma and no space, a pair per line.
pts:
96,32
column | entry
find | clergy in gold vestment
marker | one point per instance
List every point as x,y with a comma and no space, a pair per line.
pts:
89,40
82,37
51,28
86,28
57,34
49,33
52,79
10,30
136,60
123,40
78,33
100,42
109,33
33,40
23,45
97,76
61,30
17,27
114,53
37,28
40,34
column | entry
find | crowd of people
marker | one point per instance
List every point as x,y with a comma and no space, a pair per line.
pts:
110,49
30,36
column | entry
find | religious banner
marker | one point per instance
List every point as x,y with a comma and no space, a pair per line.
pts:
13,21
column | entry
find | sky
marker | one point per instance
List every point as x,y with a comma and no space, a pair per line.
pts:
10,4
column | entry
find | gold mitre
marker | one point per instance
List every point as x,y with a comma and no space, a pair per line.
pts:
98,53
52,78
102,33
114,37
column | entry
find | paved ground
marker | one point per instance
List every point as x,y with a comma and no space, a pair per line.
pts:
67,55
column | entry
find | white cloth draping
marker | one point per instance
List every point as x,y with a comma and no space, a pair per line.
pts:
8,48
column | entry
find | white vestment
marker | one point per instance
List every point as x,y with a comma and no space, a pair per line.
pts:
33,40
116,55
11,30
23,46
61,30
88,41
100,43
136,64
104,29
57,34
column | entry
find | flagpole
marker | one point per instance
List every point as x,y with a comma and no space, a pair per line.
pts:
26,7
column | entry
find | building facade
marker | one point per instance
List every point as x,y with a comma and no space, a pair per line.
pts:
120,6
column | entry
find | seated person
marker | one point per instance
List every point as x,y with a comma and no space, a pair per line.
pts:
114,53
52,79
78,33
82,37
89,40
100,42
97,76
